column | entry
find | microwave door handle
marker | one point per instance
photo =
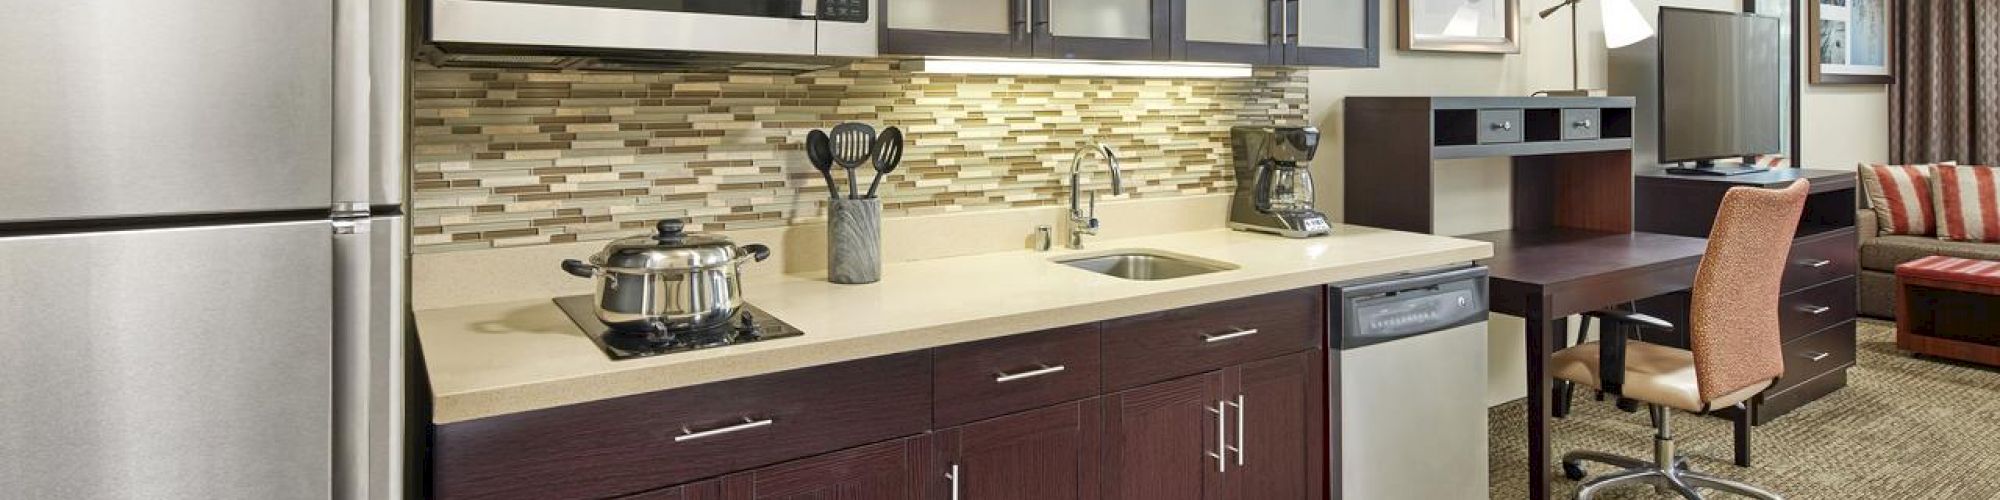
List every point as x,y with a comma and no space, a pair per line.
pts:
808,9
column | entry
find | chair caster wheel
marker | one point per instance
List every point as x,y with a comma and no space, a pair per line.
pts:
1573,471
1628,405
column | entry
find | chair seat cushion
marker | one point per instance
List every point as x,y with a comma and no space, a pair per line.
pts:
1952,269
1653,373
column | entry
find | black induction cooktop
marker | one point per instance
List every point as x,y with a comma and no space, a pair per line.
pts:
749,324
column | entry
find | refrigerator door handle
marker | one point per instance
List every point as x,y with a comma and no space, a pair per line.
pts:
368,358
369,111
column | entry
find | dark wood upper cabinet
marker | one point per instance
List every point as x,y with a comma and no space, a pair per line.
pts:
1099,29
1045,454
1335,33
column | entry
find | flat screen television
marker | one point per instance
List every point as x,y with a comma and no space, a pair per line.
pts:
1719,87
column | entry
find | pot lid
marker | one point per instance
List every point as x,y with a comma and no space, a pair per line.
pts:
668,249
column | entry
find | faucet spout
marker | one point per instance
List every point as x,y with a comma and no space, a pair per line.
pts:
1082,223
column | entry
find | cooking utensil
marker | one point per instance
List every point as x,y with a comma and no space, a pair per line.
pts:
669,281
821,153
853,144
888,153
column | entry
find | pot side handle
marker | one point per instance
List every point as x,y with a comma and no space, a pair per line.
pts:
758,251
578,268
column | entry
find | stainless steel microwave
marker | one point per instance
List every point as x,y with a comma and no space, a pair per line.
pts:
844,28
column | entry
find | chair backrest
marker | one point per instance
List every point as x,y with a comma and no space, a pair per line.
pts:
1734,316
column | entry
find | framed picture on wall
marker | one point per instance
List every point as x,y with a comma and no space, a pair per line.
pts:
1851,41
1480,26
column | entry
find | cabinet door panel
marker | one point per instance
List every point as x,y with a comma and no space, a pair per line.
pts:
1235,31
882,471
1274,440
1043,454
1158,440
989,28
1101,29
1332,32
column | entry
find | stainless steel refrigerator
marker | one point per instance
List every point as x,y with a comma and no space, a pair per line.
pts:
201,249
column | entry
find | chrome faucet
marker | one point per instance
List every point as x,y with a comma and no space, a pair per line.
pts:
1080,222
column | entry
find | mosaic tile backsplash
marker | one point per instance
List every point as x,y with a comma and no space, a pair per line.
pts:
525,157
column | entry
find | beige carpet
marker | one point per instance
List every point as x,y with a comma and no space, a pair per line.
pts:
1904,428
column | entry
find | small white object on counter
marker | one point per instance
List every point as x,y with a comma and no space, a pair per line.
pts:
511,357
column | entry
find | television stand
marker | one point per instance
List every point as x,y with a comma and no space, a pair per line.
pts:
1704,168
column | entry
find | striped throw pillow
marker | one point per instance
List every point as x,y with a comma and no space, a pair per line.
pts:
1968,205
1901,197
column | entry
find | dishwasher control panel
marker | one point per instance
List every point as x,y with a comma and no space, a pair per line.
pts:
1384,309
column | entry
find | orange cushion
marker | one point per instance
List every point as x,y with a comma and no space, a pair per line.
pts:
1952,269
1901,197
1968,203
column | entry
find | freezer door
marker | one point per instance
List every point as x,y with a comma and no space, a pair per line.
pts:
187,363
122,108
369,323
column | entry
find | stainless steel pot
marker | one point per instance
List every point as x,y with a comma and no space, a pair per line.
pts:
671,280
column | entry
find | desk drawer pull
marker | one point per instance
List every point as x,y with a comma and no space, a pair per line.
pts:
1585,123
1815,310
690,435
1043,370
1814,356
1219,337
1815,263
1503,126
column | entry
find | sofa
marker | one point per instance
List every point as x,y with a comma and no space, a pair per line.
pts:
1881,254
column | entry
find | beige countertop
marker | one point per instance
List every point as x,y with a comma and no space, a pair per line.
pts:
509,357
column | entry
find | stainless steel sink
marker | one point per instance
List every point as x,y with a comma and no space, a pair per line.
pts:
1145,265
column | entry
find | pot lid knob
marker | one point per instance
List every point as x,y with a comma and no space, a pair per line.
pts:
670,229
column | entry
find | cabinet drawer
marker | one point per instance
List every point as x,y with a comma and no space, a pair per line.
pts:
1817,354
636,443
1497,126
1581,124
1821,258
990,378
1163,345
1806,311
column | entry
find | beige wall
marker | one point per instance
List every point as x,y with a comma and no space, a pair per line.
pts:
1842,125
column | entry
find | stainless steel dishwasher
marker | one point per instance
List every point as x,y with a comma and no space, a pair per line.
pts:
1408,381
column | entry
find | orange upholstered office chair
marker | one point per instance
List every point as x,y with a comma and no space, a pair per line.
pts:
1734,334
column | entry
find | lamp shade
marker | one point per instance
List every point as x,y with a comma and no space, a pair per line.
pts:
1623,25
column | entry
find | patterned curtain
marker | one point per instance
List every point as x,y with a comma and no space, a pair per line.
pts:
1945,104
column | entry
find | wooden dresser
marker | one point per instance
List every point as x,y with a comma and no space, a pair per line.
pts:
1817,317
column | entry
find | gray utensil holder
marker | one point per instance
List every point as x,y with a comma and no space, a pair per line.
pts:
854,241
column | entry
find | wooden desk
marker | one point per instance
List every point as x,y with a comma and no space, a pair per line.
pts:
1544,275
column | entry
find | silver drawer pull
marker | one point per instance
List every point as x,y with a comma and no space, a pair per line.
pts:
1044,370
1581,124
690,435
1219,337
1815,310
1503,126
1815,263
1815,356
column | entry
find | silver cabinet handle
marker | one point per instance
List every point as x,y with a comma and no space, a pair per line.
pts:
1581,124
1815,263
1043,370
1219,337
955,482
1815,310
1815,355
809,9
690,435
1241,436
1503,125
1221,453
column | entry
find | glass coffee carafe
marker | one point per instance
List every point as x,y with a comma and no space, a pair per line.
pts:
1284,186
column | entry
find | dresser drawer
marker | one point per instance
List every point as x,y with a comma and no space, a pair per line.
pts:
1499,126
637,443
1581,124
1159,346
1817,354
1813,309
990,378
1821,258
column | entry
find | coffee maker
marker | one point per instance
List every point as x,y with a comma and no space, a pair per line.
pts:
1274,189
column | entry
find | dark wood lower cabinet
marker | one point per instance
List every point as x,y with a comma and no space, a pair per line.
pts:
1045,454
1243,432
882,471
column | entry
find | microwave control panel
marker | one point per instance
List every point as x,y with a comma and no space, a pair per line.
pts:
853,11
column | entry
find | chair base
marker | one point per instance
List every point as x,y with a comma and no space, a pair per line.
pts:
1668,472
